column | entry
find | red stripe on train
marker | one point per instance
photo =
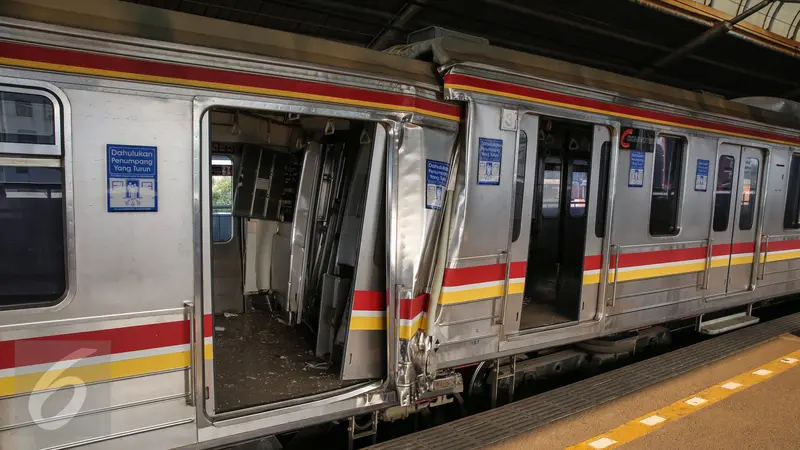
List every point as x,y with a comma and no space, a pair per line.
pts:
777,246
735,249
96,61
594,262
376,301
411,307
611,108
49,349
482,274
369,301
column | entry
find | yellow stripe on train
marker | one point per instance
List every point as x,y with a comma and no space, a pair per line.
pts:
38,381
368,323
652,272
482,293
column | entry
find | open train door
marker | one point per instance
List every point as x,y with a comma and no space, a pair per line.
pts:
564,160
364,330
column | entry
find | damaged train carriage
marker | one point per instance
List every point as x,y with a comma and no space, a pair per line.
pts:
304,177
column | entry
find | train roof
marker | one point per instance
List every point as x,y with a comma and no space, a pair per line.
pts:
147,22
449,52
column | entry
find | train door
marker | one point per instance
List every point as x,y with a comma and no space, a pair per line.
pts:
734,218
743,242
554,274
308,192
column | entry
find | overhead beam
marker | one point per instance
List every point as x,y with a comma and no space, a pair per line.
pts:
712,33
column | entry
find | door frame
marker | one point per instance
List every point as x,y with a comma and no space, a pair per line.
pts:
613,125
762,205
200,376
721,289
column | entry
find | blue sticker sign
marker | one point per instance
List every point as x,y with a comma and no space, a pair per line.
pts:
636,172
490,155
132,178
436,179
701,176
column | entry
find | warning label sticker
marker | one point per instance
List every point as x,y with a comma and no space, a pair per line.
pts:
436,180
131,178
636,173
490,156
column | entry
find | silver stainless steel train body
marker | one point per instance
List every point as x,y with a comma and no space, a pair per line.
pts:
416,217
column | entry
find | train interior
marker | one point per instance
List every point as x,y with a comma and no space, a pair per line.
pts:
553,281
287,195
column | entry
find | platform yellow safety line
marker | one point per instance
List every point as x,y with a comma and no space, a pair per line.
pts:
643,425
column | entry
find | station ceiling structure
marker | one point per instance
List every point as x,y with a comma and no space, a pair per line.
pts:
732,48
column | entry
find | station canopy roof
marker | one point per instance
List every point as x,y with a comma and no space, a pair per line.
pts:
758,56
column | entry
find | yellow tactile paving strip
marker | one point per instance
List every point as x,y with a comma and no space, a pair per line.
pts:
650,422
712,423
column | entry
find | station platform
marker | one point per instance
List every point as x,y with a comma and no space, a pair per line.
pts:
748,400
737,390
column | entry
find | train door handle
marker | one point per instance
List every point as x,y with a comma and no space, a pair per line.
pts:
188,307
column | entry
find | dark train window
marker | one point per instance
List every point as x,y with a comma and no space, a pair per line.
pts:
33,266
551,187
579,188
27,119
665,197
221,198
519,188
602,190
722,199
749,193
791,215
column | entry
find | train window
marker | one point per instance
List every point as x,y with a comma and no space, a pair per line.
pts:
519,188
26,119
33,266
722,199
221,198
664,201
749,193
791,215
33,243
579,185
551,189
602,190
